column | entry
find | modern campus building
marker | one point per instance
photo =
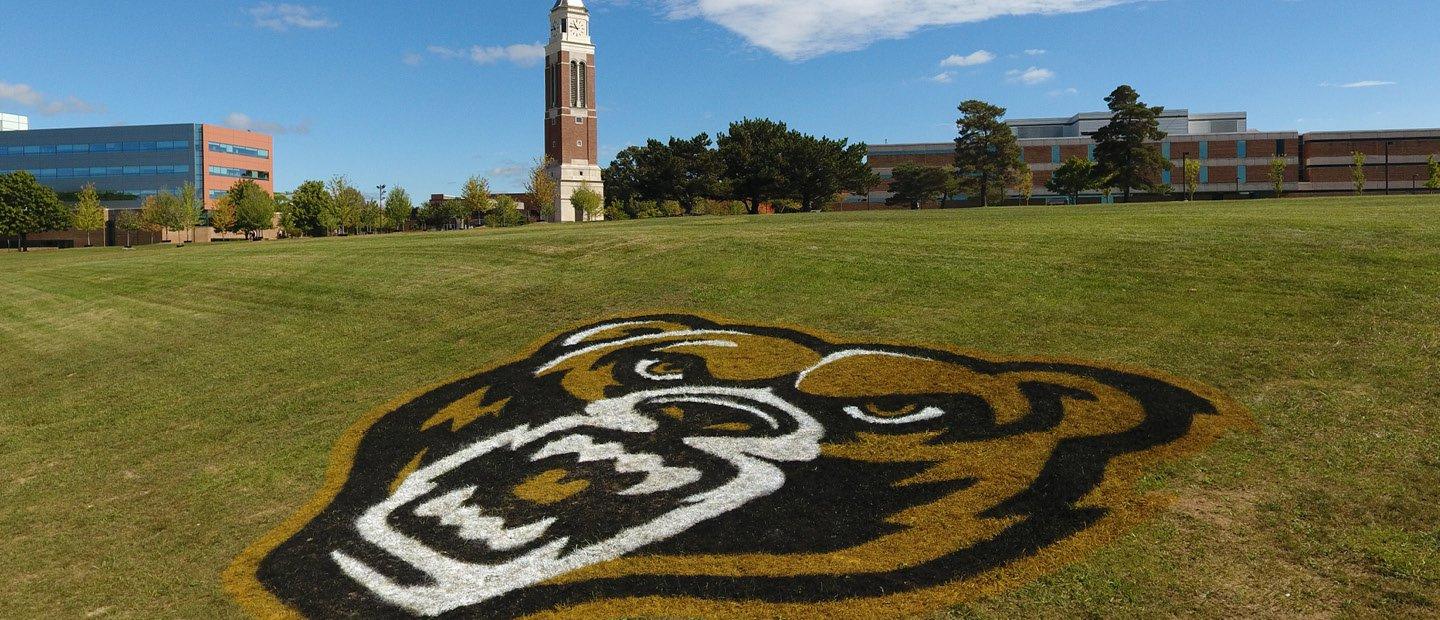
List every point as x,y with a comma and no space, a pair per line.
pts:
128,164
13,122
1235,161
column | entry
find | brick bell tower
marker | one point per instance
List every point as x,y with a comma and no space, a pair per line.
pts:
571,136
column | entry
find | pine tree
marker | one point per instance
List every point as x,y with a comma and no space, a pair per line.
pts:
1125,147
987,156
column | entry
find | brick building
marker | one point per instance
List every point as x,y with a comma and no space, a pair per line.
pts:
1235,161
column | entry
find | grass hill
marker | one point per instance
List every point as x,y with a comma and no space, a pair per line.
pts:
163,407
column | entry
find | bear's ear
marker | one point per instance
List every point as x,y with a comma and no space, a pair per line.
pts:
614,330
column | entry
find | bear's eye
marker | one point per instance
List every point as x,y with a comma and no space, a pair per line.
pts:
656,370
887,413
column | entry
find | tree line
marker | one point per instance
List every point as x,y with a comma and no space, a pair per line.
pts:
754,163
988,160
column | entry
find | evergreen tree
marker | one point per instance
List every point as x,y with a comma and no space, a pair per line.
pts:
914,185
1124,148
820,168
752,154
987,157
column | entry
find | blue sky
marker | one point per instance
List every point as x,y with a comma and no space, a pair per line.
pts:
424,93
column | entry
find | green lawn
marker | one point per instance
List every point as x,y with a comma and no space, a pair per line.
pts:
163,407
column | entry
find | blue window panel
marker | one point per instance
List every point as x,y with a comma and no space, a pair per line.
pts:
1204,173
1240,149
1240,172
1165,177
1090,152
1055,154
1204,150
1165,150
221,147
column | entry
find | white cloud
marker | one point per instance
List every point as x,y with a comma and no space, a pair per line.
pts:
282,17
1035,52
243,122
978,57
412,59
1061,92
1029,77
519,53
24,95
1361,84
943,77
799,30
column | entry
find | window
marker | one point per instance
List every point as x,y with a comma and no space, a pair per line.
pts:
239,173
1090,152
216,193
99,147
1240,149
582,91
1240,174
1165,177
1204,173
232,149
574,84
1280,148
1055,154
1204,150
1164,150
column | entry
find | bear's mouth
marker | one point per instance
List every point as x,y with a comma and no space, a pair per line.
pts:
525,505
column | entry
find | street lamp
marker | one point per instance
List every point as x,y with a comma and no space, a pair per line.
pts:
1387,166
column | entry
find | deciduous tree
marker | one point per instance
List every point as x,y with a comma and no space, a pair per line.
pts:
348,202
313,208
89,215
505,214
987,157
398,208
129,221
1192,178
1073,177
1025,184
222,216
1278,166
1124,148
542,187
475,195
1357,172
587,203
27,207
254,208
164,211
1434,167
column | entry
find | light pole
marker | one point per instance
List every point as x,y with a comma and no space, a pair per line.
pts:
1185,175
1387,166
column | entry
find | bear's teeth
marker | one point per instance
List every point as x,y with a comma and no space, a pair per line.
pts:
658,476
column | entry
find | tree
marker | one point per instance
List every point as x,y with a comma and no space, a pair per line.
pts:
129,221
348,201
1124,148
587,202
1025,184
27,207
820,168
475,195
542,187
89,215
190,205
1073,177
286,209
1357,172
987,157
254,208
1192,178
915,185
1434,167
752,152
505,214
1278,167
165,211
222,216
312,207
398,208
953,187
372,216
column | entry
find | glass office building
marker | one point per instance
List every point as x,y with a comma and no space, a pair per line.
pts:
129,163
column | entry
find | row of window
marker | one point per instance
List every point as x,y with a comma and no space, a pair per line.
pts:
233,149
1241,151
216,193
97,147
239,173
111,171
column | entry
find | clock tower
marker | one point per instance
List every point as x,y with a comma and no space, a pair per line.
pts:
570,130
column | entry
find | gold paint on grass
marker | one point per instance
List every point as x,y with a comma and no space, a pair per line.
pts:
405,472
1000,468
545,489
465,411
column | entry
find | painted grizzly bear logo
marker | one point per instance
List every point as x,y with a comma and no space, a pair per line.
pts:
674,464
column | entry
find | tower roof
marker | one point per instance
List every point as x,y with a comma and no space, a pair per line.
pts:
561,4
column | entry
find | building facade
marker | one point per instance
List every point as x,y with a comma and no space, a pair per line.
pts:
13,122
1235,161
128,164
571,132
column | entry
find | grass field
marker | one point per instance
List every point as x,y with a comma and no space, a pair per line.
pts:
163,407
